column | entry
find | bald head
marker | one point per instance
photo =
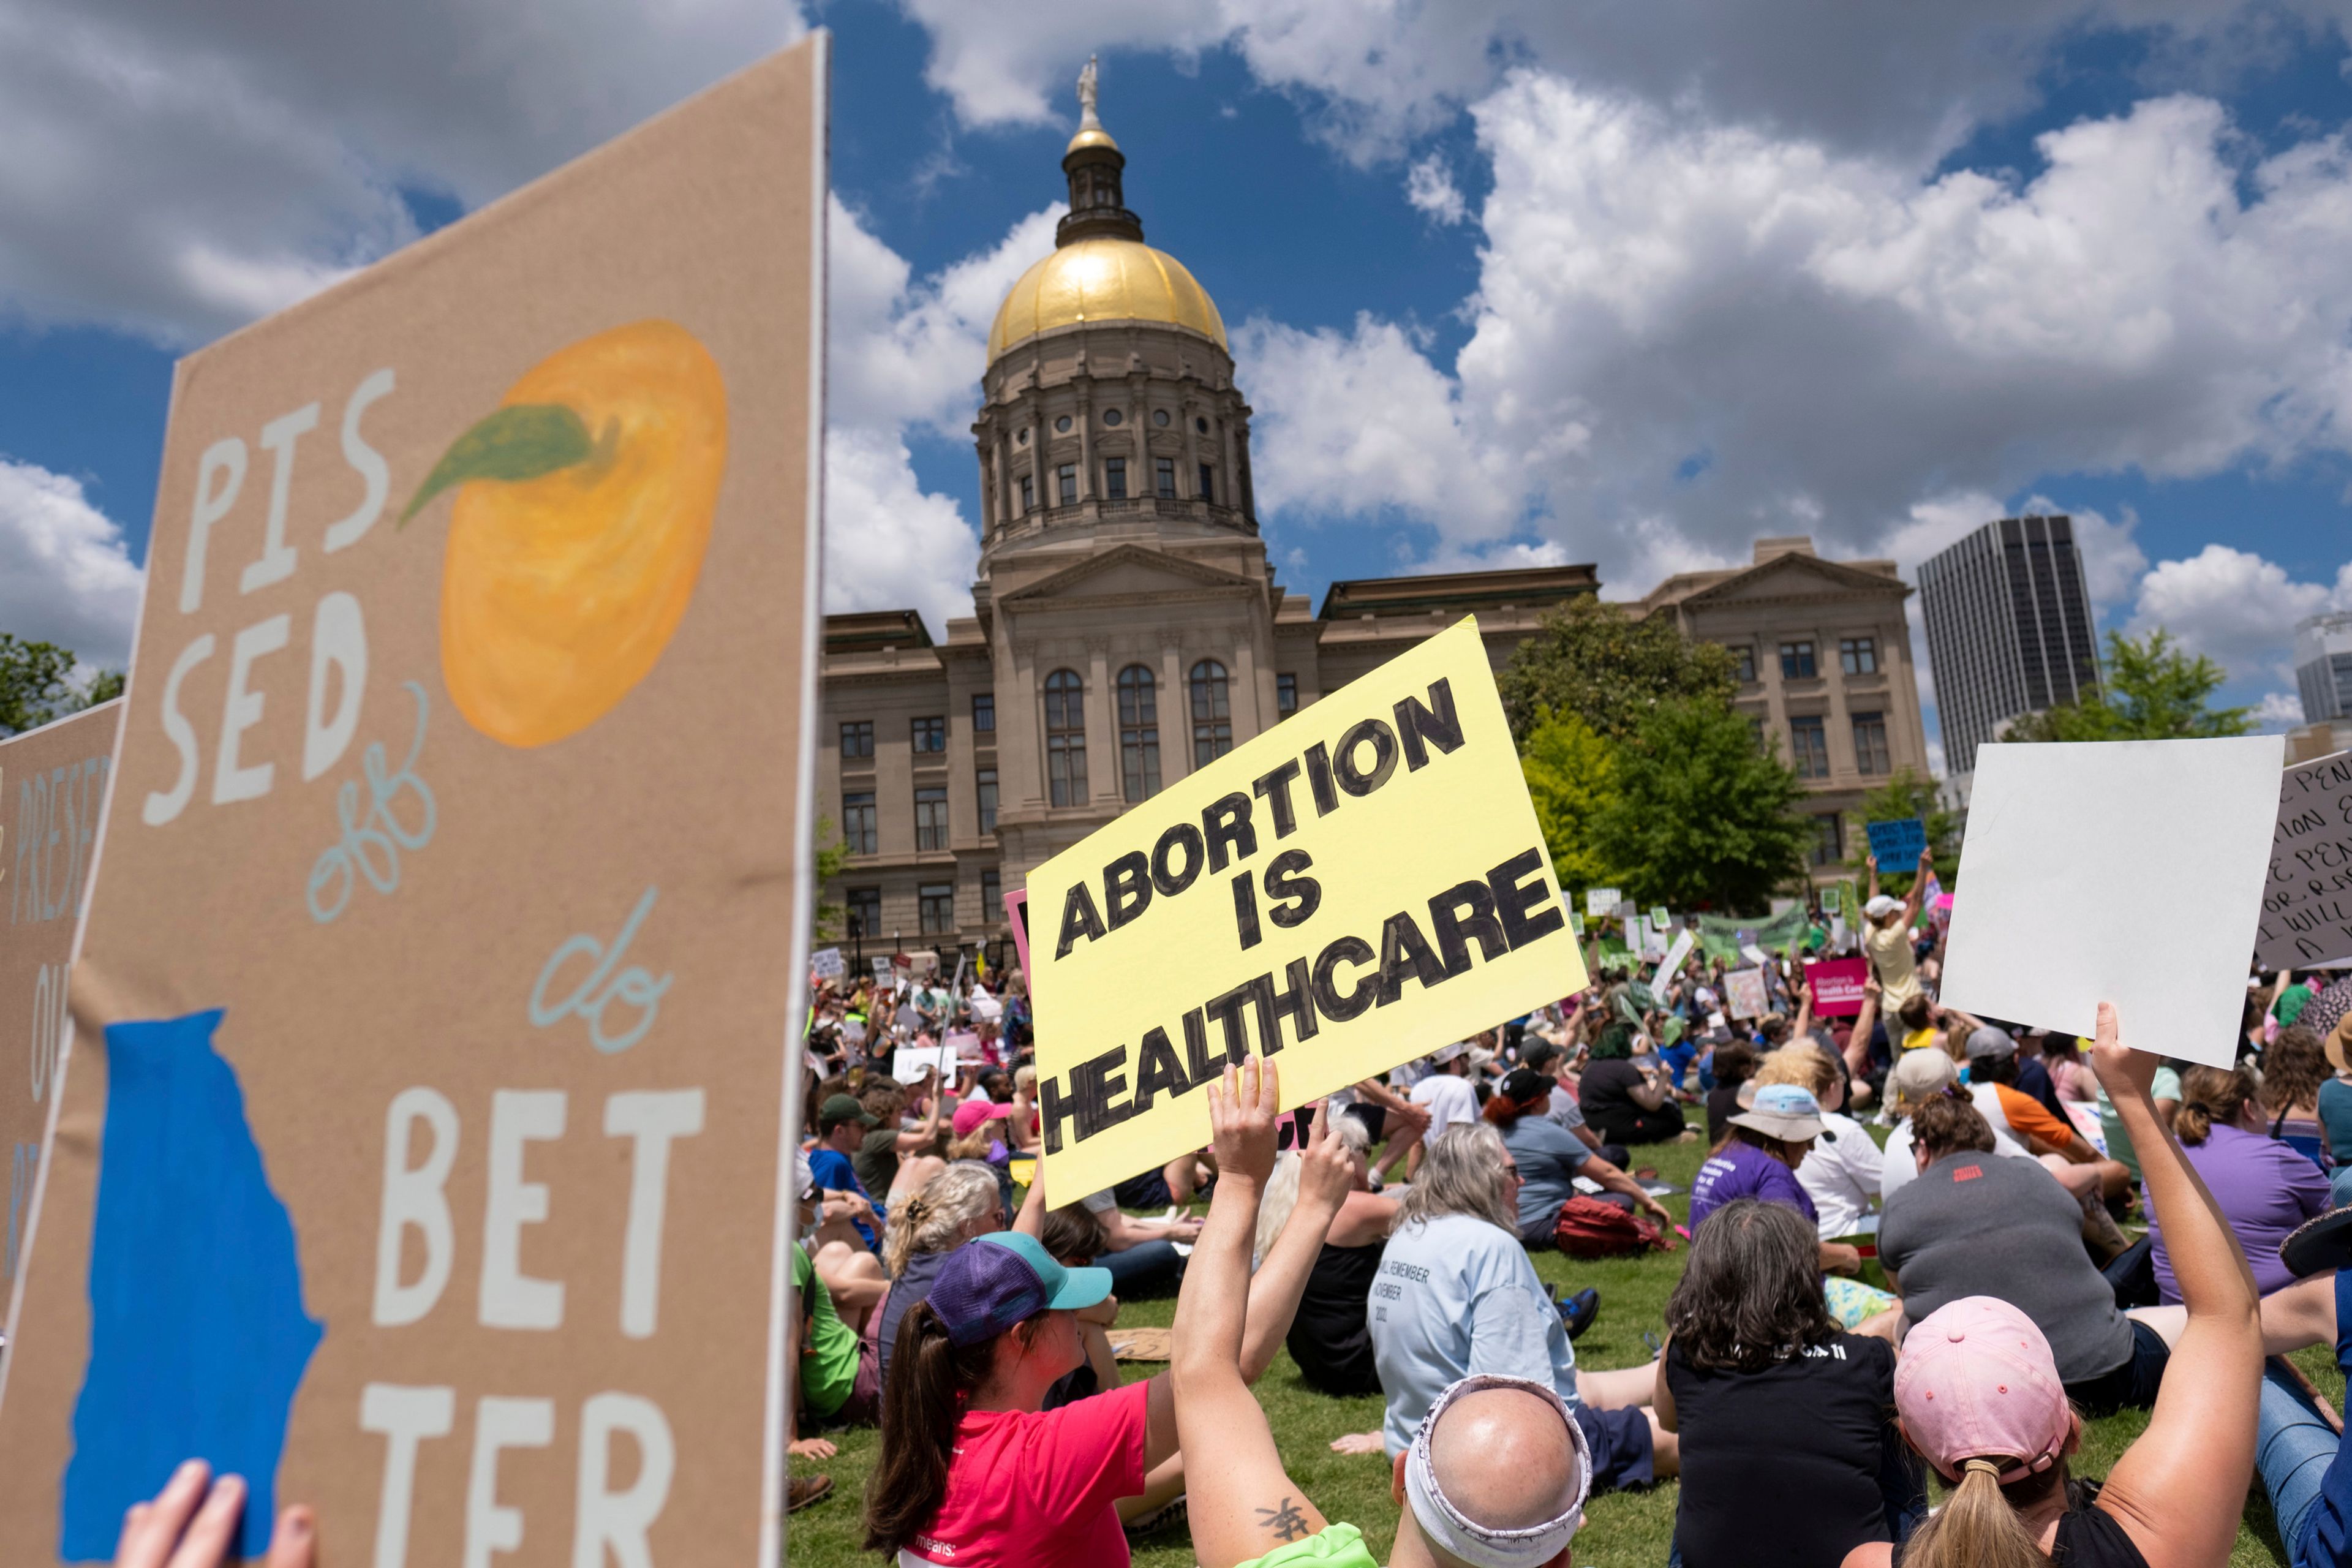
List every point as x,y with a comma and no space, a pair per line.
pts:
1503,1458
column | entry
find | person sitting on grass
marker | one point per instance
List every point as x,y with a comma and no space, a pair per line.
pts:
1562,1109
959,1205
1625,1102
1734,1064
1770,1401
1758,1159
1919,1077
1494,1474
1458,1296
972,1468
1549,1160
1843,1171
2264,1188
1331,1337
1980,1398
2305,1466
2294,1069
1974,1224
1992,1085
1140,1253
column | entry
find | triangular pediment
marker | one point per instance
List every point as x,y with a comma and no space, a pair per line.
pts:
1128,571
1796,576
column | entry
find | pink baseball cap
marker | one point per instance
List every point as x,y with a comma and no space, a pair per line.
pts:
1977,1381
972,1113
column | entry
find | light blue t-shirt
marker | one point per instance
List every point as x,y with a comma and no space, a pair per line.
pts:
1456,1296
1548,1158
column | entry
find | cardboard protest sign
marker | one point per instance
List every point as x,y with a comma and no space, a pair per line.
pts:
1743,994
422,1152
2307,919
52,786
825,963
1672,965
908,1063
1897,843
1359,886
1660,918
2061,835
1576,923
962,1046
1836,985
1601,903
883,970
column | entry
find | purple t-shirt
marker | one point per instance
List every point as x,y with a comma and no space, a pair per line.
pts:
2265,1189
1744,1171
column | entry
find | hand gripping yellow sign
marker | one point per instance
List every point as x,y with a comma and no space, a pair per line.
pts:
1360,885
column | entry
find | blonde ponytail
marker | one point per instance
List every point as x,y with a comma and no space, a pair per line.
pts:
1976,1528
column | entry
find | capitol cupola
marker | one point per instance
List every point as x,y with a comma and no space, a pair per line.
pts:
1109,404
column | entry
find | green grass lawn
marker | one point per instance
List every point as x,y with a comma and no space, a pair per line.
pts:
1621,1530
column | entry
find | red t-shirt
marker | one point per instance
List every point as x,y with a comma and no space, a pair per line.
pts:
1035,1490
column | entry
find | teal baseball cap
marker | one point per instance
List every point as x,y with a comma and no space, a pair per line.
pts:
994,1282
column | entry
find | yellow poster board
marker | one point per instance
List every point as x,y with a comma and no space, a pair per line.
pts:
1354,888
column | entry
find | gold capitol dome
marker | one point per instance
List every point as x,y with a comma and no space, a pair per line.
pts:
1100,269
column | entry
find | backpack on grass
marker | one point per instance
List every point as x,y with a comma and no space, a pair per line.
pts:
1590,1228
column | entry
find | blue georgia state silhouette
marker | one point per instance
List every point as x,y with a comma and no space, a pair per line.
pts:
199,1338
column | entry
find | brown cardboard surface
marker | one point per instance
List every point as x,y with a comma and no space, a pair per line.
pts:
52,787
627,751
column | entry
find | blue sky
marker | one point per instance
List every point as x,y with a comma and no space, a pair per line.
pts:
1507,281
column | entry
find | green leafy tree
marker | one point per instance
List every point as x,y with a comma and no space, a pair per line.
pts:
2149,689
832,854
1571,778
1702,815
37,684
1905,795
1594,660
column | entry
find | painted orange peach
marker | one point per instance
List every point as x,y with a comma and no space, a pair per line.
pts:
583,510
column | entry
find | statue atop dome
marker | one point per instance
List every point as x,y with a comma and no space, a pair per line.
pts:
1087,119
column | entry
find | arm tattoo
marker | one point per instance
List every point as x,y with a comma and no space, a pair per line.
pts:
1285,1524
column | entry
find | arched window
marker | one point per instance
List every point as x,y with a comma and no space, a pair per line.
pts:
1212,714
1139,732
1066,738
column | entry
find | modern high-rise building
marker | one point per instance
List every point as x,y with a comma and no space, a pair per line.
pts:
2323,667
2009,629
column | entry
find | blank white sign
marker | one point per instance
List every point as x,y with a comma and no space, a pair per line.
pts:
2122,871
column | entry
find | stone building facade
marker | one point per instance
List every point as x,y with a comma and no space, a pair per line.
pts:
1824,656
1127,627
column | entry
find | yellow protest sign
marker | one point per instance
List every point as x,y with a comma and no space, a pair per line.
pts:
1360,885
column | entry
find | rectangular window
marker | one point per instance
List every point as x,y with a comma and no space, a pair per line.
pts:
1115,479
983,711
1756,731
1858,656
1797,661
865,912
857,823
986,781
930,734
1067,478
991,896
1808,744
1164,473
1028,495
1208,484
1870,753
1829,840
857,740
931,818
1743,662
1285,695
938,908
1065,739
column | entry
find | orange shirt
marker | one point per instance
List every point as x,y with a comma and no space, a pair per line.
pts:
2029,1116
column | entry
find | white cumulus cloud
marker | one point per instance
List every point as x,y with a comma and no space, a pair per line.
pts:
64,576
904,357
175,170
1429,186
